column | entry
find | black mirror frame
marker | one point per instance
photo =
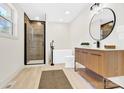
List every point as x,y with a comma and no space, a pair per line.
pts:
111,29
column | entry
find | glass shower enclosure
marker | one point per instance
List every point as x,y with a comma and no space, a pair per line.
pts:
35,42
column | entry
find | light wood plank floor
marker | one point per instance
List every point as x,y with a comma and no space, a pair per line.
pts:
29,77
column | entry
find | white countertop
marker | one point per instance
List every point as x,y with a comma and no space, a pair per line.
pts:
101,49
119,80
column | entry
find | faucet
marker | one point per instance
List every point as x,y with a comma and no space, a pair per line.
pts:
97,44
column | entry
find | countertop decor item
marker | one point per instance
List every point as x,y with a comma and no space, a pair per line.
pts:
85,43
109,46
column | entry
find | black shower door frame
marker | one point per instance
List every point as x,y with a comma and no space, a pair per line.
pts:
25,43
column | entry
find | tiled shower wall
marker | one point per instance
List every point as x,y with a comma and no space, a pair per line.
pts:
36,41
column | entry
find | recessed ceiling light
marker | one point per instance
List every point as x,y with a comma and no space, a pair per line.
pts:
61,20
67,12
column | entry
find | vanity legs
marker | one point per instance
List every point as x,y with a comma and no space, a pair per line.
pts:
104,82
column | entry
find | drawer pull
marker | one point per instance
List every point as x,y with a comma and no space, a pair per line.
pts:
96,54
84,52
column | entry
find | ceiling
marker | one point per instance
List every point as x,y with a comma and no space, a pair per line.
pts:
53,12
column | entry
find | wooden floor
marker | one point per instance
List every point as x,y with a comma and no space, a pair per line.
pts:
29,77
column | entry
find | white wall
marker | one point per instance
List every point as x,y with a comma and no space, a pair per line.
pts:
79,28
12,51
60,34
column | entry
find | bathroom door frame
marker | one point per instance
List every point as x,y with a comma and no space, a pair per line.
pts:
25,42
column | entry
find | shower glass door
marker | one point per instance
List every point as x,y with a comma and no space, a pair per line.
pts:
35,43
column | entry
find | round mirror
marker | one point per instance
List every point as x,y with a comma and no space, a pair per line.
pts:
102,24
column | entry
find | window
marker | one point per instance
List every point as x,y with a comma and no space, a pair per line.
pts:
8,20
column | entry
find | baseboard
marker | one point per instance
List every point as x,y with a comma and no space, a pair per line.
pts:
59,62
9,78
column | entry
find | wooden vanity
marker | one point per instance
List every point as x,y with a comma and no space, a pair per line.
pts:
104,62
